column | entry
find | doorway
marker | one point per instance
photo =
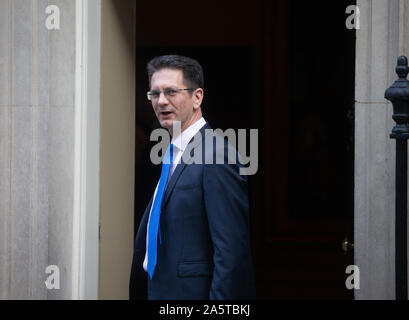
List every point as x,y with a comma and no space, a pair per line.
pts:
274,67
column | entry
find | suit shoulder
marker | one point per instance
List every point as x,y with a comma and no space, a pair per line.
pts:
220,148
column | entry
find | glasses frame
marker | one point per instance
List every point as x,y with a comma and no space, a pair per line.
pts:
178,90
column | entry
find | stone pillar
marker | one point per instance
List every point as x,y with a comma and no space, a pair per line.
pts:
383,36
37,83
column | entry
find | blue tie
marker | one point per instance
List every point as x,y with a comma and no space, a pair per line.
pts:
156,211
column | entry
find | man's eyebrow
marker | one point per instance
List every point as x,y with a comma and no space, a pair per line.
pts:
171,87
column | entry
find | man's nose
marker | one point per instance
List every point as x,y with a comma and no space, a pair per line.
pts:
162,99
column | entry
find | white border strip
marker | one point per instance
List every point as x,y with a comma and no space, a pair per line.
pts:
86,167
91,270
80,145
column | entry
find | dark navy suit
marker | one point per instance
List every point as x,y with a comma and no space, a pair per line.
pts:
204,227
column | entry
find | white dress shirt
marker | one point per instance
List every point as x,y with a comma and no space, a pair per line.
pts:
179,145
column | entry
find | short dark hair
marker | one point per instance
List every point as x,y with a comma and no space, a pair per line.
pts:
191,69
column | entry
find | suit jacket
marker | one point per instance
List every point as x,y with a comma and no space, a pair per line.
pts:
204,225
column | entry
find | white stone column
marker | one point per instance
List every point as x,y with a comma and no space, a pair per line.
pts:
37,82
383,36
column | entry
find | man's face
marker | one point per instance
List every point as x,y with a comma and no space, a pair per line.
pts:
182,106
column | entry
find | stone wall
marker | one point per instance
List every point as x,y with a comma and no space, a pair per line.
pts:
383,37
37,97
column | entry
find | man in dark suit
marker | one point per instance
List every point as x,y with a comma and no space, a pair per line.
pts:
193,240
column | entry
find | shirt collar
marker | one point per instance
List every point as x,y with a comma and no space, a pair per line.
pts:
184,138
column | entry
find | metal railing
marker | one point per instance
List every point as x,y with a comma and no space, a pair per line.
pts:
398,94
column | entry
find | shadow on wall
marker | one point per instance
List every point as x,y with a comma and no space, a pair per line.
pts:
125,9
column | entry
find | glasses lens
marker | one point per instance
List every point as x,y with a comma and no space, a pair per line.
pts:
152,95
170,92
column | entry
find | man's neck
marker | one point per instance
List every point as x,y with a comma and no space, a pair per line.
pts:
185,126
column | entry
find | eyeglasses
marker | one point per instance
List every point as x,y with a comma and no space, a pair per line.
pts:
168,92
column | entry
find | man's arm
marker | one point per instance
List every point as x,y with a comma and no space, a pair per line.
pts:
227,209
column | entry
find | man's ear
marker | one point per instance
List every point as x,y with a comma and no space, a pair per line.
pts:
198,98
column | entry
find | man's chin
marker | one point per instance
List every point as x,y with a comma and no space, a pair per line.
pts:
167,124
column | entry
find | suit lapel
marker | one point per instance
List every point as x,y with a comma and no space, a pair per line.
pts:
172,183
181,166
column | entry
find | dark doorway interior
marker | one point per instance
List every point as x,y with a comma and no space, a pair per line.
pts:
321,100
287,69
